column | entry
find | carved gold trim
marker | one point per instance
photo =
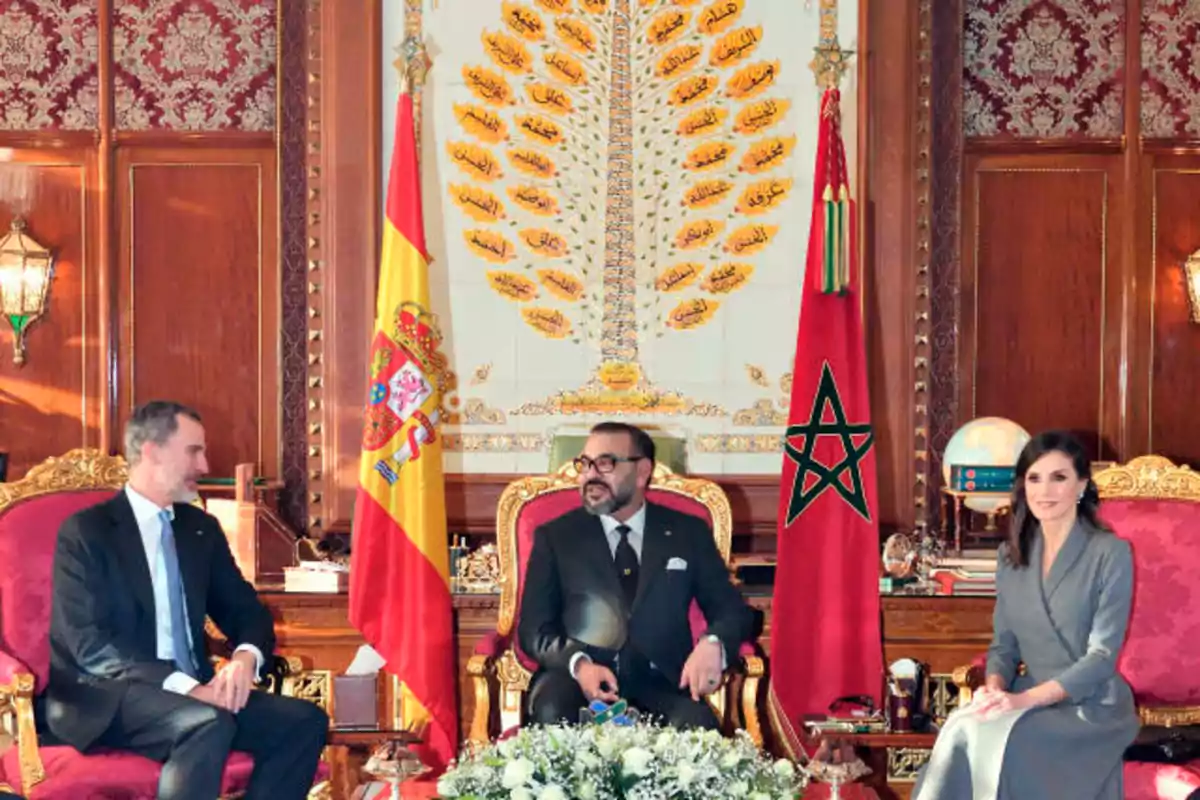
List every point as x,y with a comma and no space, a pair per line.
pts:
1148,478
495,443
477,670
751,687
753,443
17,696
1168,716
922,306
315,277
313,685
904,763
321,791
77,470
525,490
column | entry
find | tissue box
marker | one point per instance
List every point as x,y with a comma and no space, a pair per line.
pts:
355,703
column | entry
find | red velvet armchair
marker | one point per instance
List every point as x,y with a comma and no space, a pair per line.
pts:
1155,505
31,511
500,672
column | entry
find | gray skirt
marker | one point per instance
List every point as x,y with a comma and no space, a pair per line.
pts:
1061,752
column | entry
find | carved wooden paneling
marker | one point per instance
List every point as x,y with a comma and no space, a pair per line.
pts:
209,321
1175,362
51,404
197,280
890,279
1041,294
344,235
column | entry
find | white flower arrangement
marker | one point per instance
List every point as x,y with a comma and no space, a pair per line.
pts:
639,762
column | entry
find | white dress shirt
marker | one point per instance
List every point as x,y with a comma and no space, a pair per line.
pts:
146,512
637,529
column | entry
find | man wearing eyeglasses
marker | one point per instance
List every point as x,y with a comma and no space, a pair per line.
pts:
607,590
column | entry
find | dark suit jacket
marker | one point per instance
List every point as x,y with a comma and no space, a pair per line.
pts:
572,600
102,622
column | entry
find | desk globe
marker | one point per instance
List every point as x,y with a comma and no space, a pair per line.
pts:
985,442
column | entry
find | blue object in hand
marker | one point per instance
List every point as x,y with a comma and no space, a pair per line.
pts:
619,713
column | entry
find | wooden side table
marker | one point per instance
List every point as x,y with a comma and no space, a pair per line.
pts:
895,760
347,751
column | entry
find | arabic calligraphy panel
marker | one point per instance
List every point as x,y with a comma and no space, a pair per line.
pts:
613,197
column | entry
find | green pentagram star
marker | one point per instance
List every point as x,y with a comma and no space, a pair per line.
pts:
828,475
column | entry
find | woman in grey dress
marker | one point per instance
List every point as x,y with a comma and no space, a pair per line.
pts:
1064,585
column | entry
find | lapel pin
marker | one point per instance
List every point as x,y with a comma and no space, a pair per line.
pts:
668,533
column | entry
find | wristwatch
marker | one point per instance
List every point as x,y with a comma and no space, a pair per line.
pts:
711,637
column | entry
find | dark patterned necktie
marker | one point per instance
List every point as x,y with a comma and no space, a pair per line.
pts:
627,565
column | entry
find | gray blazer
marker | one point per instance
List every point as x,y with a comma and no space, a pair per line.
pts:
1069,627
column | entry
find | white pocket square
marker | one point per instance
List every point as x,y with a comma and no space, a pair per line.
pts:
677,563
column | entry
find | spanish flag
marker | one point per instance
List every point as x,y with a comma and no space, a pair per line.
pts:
399,564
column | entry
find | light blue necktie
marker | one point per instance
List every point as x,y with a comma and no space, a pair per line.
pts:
179,634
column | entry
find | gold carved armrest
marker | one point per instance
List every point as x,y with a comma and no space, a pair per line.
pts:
754,672
970,677
479,667
967,678
16,704
1169,716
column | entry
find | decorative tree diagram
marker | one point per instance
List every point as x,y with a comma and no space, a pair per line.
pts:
618,168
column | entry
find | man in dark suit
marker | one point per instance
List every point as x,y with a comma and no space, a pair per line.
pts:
134,579
607,591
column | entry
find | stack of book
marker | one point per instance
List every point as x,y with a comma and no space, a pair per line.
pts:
325,577
972,573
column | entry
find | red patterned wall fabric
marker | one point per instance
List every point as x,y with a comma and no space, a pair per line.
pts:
1170,72
1043,68
48,65
198,65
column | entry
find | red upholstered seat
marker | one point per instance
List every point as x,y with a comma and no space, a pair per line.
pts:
71,775
1162,648
1163,643
31,511
530,502
1145,781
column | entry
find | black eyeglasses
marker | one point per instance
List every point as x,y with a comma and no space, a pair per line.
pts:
604,464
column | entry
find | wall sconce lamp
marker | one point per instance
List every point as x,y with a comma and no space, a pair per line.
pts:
26,269
1191,276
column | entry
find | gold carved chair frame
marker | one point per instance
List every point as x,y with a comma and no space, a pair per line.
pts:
78,470
84,469
512,678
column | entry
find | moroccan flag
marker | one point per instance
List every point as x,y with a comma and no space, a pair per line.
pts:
825,635
399,563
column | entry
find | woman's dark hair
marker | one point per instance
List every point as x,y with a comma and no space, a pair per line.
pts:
1024,525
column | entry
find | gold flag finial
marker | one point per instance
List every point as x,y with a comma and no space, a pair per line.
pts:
830,63
412,59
